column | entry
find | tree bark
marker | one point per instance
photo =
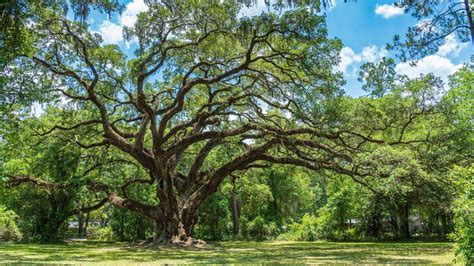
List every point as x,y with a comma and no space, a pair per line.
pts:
469,19
235,214
175,228
404,221
173,223
80,225
235,210
86,224
394,223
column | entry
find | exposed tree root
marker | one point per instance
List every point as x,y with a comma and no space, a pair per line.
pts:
174,241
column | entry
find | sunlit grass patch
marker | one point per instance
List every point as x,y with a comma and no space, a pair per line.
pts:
231,252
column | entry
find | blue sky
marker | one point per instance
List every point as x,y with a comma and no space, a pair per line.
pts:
364,26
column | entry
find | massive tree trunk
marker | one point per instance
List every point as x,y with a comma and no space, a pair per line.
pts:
175,228
173,223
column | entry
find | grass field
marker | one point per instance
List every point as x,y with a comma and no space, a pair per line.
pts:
230,253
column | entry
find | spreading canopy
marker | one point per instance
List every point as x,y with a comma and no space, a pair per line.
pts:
206,83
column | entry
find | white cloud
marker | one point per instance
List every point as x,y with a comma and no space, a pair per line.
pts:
368,54
256,8
373,54
129,16
451,47
347,57
388,11
425,26
436,64
332,4
90,20
439,64
112,32
37,109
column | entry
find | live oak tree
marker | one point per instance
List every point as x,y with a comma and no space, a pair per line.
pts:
205,83
16,14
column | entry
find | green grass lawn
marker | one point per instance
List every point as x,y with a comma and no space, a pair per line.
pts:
231,252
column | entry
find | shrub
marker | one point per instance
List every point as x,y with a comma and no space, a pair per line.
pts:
244,230
214,220
258,229
312,228
9,231
129,226
306,230
272,230
101,233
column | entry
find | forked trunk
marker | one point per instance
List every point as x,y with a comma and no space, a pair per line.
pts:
174,217
169,230
175,230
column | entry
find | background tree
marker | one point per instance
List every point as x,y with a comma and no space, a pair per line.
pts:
464,213
47,180
437,20
9,231
16,14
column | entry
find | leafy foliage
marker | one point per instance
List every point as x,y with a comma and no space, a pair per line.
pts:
9,231
464,213
221,121
436,21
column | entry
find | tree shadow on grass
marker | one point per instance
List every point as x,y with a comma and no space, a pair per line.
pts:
229,252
